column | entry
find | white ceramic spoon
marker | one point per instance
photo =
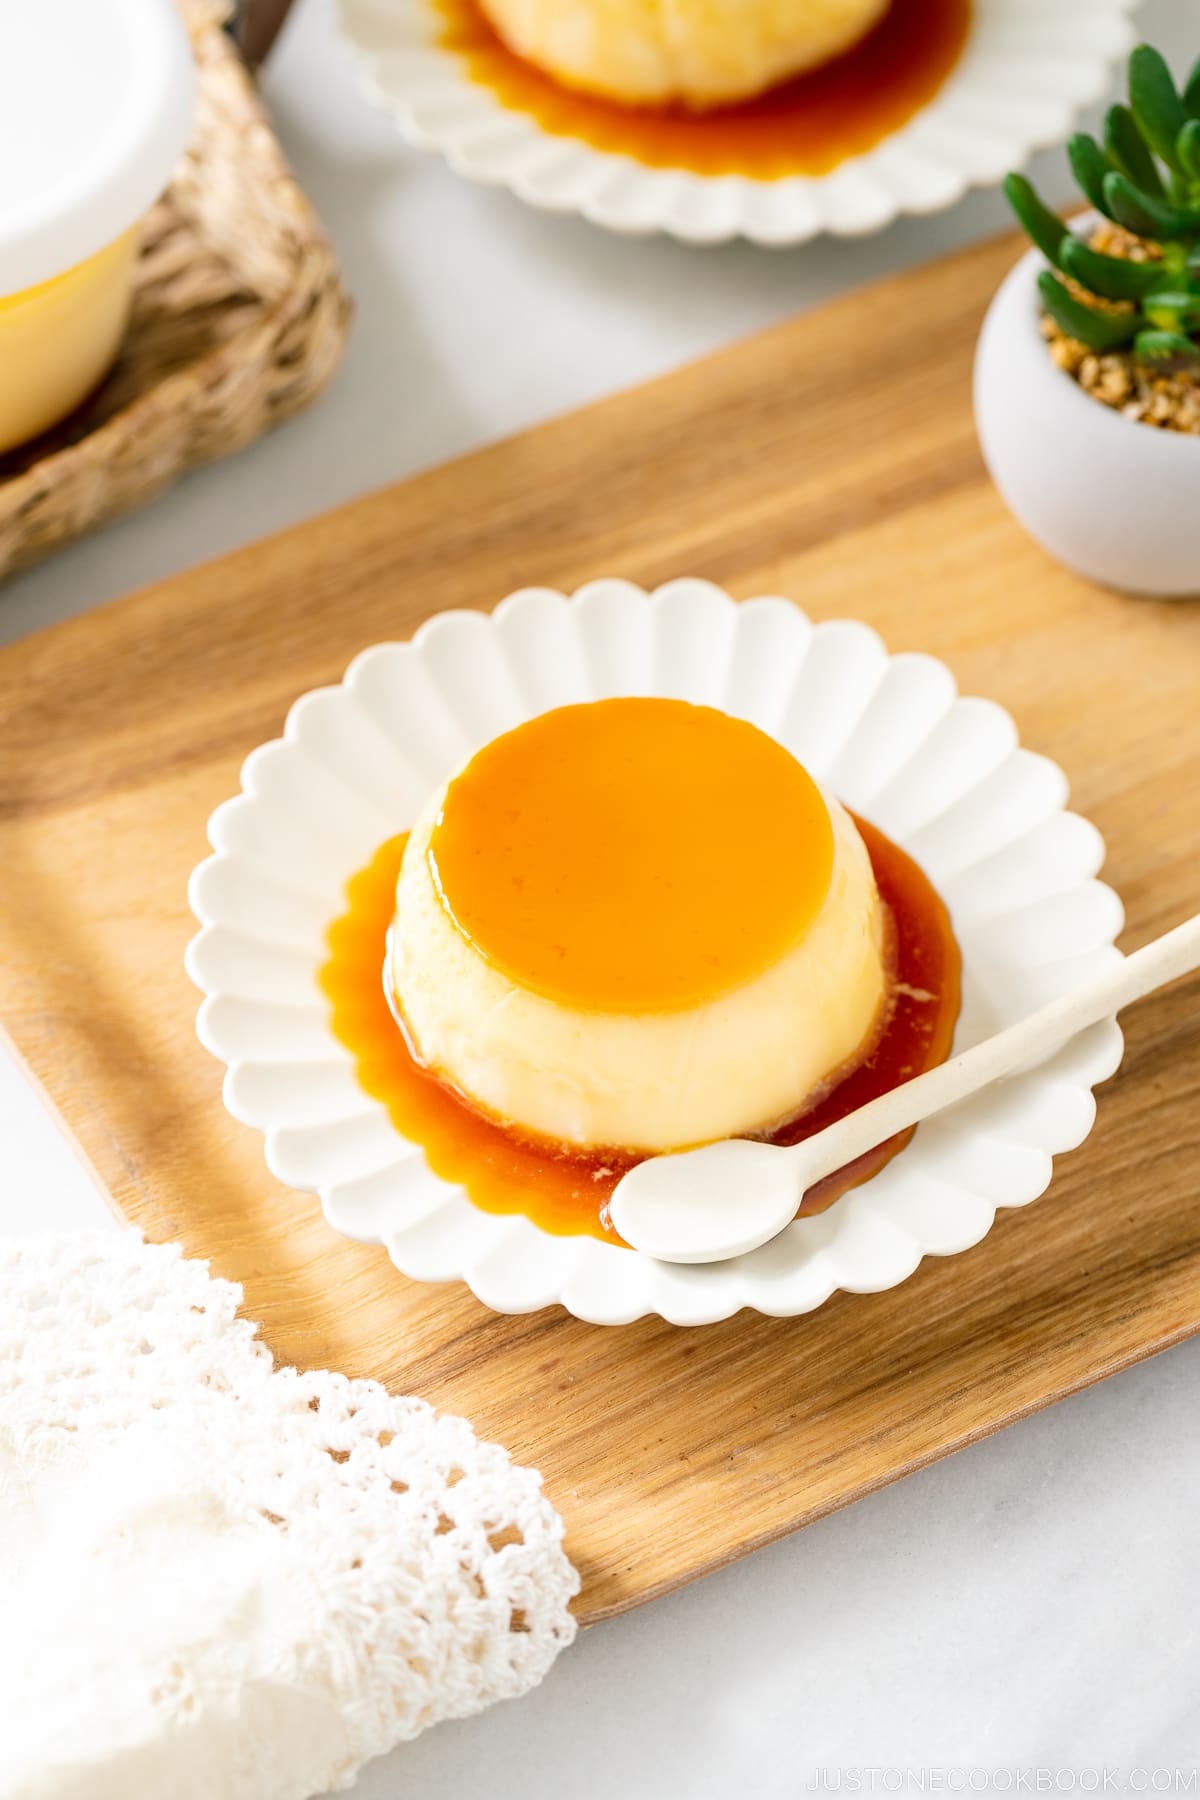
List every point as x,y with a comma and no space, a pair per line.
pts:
723,1199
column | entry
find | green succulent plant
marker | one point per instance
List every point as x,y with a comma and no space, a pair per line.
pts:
1145,176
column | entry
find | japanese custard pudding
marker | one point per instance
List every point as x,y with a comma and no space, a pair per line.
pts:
638,924
697,52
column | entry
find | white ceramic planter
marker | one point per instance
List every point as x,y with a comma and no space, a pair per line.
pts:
1116,500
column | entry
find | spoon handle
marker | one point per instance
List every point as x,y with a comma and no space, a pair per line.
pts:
1030,1040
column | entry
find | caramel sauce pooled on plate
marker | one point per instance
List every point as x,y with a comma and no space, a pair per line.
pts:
562,1190
805,126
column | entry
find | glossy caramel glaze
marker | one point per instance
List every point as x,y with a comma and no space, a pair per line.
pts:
633,855
567,1193
806,126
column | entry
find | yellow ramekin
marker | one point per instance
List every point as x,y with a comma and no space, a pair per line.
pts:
97,99
59,340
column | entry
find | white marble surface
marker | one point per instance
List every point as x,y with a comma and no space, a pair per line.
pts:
1030,1605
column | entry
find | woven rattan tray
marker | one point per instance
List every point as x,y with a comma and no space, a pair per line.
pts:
239,320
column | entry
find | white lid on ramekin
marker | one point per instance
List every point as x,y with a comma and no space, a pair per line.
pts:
96,104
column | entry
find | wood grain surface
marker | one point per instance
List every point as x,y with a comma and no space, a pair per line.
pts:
832,459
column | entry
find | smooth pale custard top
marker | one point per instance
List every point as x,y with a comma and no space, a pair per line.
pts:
632,855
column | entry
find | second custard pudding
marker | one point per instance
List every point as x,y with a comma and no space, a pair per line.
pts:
638,923
698,53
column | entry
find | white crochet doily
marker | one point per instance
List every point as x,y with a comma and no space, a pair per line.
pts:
219,1577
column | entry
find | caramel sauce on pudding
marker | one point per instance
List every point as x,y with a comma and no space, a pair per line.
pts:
624,855
806,126
566,1192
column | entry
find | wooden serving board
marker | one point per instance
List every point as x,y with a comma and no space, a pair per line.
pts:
832,459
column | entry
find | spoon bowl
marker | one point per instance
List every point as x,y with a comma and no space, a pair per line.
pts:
709,1204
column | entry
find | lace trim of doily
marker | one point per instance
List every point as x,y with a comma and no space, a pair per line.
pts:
423,1570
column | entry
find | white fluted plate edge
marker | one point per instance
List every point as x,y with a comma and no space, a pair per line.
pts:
943,775
1026,72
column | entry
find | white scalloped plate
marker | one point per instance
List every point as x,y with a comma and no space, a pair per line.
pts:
1028,68
941,775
